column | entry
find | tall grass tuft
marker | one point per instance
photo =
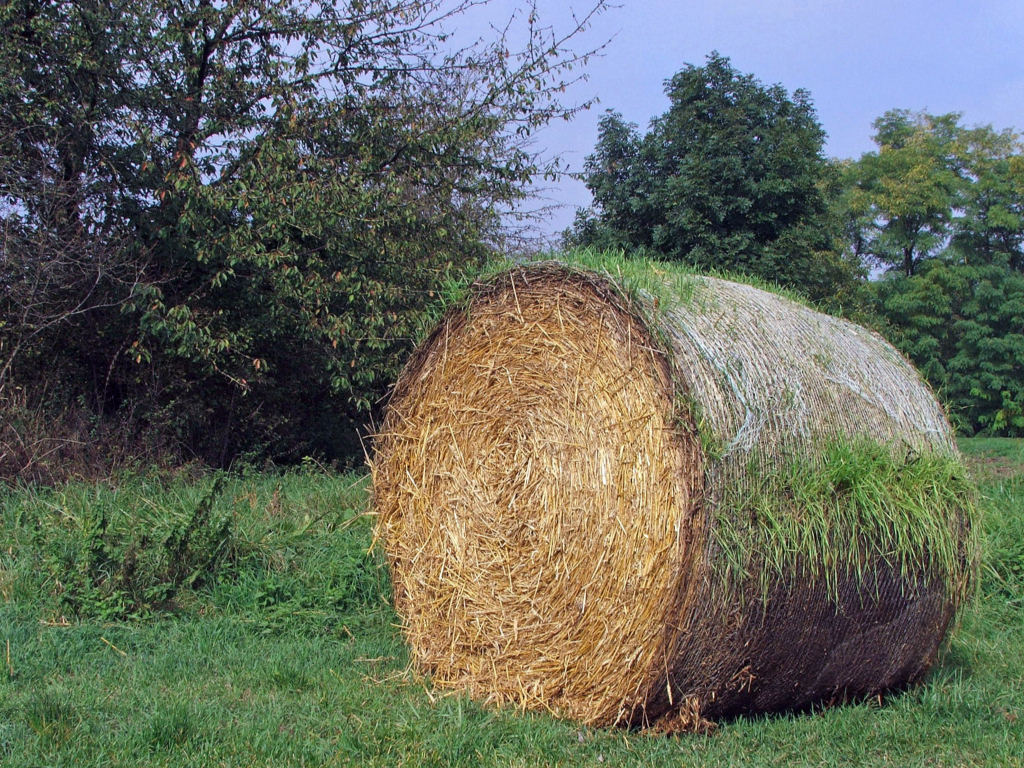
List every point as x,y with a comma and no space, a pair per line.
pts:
820,519
106,553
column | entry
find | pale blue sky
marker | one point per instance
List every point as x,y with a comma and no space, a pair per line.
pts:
857,59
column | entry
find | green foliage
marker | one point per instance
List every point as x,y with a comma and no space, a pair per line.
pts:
223,221
901,199
941,207
822,518
963,327
935,188
991,229
731,177
278,549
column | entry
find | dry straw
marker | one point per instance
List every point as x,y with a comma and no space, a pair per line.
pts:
629,495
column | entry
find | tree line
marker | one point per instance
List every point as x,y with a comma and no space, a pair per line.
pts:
922,238
223,224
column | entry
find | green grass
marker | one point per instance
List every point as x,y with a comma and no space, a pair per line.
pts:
285,652
651,285
815,519
669,283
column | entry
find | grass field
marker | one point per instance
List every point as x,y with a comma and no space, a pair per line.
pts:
240,621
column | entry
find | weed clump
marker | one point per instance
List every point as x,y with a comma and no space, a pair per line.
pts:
288,552
100,562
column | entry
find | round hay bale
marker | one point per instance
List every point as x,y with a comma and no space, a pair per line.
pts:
640,495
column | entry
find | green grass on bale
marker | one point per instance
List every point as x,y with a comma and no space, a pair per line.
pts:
289,654
668,283
647,283
813,519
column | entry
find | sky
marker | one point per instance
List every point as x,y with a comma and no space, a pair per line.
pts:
857,58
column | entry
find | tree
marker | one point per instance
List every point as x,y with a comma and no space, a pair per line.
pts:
266,196
903,197
991,227
939,207
731,177
64,250
935,189
614,179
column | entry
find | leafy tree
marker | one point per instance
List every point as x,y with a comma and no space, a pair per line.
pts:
902,199
991,227
939,206
618,188
731,177
64,250
259,199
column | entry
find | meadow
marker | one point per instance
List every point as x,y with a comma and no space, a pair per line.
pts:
242,619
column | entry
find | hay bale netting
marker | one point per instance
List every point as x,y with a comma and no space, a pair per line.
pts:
666,497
